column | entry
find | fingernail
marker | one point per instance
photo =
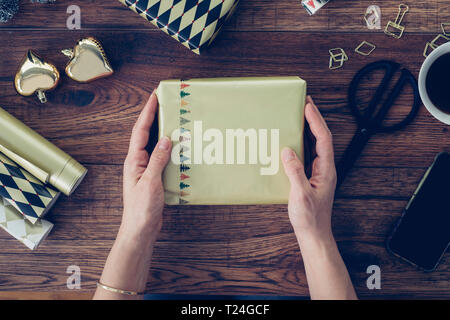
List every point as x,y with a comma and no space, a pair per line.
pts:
287,154
312,106
164,143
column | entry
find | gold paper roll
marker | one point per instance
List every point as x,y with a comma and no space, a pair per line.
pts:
38,156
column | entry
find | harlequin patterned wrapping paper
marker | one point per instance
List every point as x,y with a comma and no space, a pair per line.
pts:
194,23
227,138
20,228
24,192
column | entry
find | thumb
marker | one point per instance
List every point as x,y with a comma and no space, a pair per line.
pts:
294,168
159,158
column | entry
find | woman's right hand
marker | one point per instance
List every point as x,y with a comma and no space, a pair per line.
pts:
310,206
311,200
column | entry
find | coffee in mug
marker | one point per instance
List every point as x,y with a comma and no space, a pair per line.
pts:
434,83
438,83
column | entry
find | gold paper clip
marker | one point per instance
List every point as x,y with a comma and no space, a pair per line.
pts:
426,51
367,44
402,10
445,28
337,55
433,44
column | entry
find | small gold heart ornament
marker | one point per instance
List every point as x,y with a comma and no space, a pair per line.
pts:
35,76
88,61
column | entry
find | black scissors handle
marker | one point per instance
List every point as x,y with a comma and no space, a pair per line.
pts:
368,123
365,119
369,119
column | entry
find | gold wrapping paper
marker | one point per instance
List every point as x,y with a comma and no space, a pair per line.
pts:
38,156
213,162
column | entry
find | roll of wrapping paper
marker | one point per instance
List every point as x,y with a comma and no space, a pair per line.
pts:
20,228
25,193
38,156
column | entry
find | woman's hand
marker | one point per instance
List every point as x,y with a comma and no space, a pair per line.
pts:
311,201
310,206
143,193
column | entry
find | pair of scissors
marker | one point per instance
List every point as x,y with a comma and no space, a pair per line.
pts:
371,121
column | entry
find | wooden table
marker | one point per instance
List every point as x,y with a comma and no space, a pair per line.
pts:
242,250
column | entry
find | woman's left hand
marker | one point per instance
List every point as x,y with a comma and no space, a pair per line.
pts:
143,192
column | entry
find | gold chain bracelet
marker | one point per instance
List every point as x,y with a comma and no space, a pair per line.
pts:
129,293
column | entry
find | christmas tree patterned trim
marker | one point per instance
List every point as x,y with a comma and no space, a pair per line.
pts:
184,94
183,121
184,185
185,112
181,139
184,168
184,149
184,193
183,158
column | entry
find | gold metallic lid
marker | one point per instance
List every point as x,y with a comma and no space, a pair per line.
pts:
70,177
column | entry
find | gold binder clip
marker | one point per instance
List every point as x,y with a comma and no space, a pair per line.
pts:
396,25
445,28
337,58
359,49
433,44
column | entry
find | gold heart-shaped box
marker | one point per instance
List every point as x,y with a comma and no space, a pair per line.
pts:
35,75
88,61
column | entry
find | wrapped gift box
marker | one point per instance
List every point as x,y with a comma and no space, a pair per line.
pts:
227,138
20,228
194,23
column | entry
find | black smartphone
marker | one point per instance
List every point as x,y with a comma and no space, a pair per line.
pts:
422,235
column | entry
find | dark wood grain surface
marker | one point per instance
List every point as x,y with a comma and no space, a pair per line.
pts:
221,249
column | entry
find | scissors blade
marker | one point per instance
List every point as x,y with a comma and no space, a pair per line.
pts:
352,153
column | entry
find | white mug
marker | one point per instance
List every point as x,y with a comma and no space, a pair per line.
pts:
436,53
